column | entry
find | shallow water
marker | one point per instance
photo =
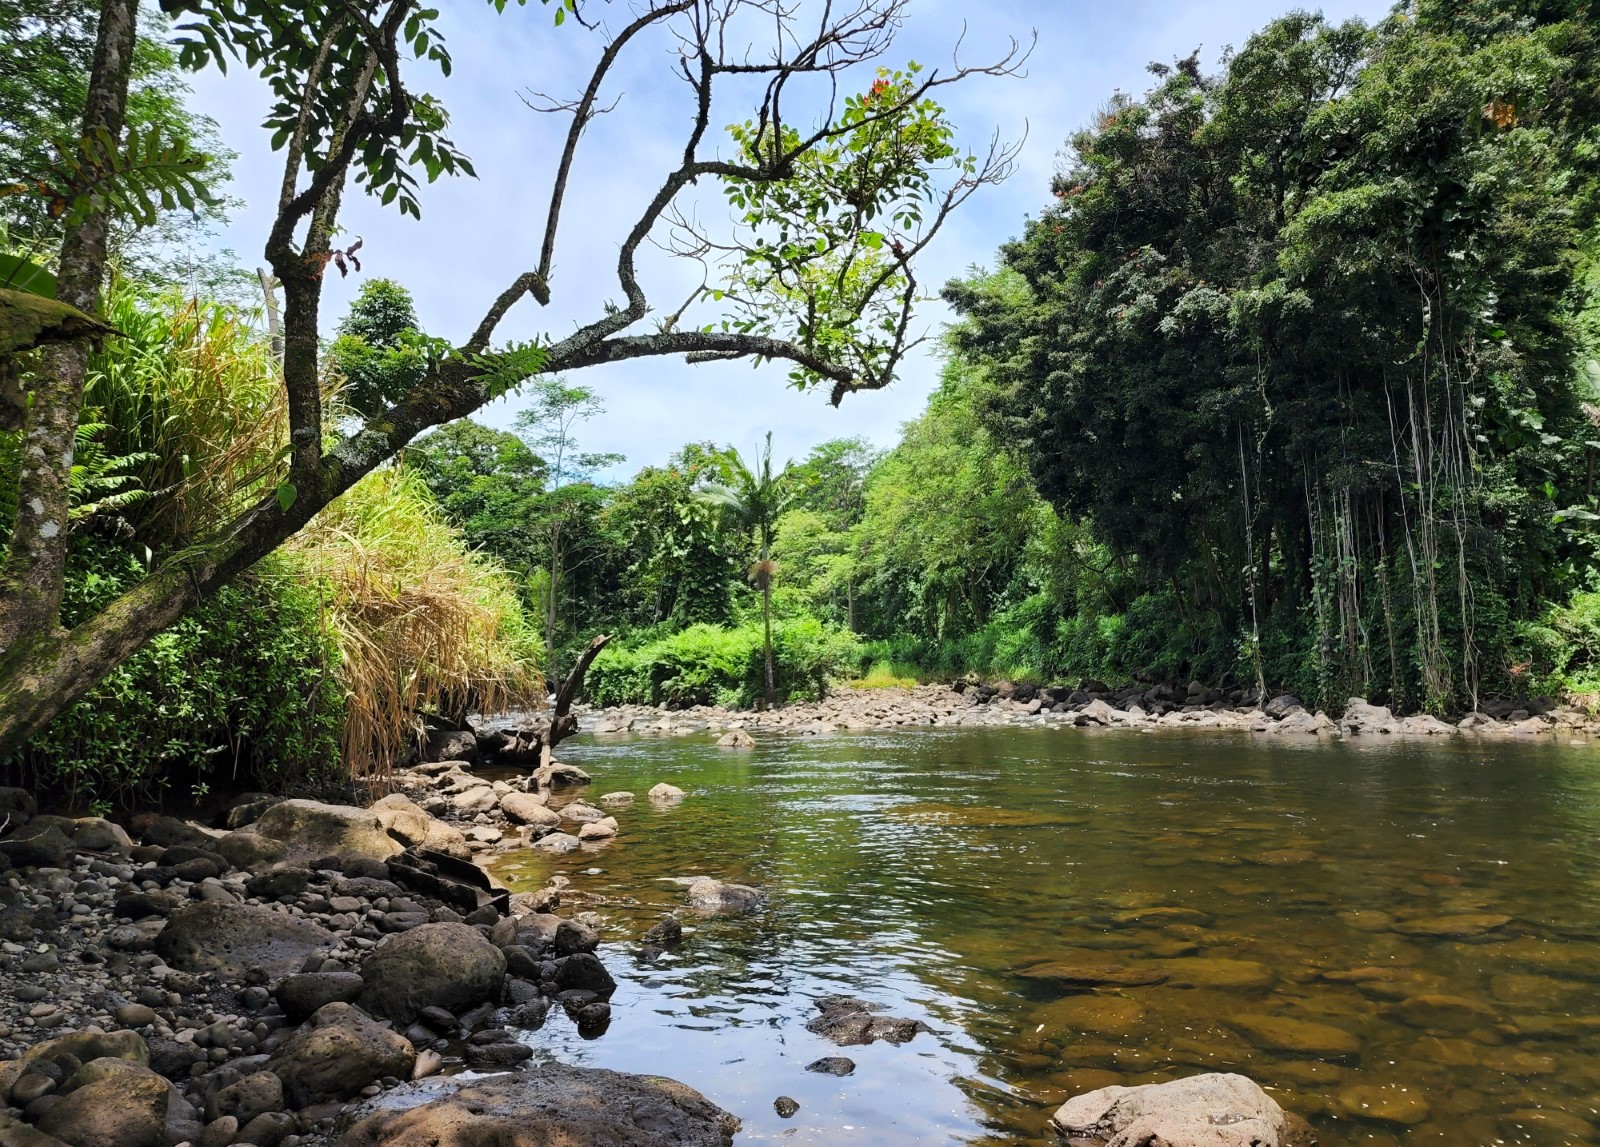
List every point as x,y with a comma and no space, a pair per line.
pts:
1400,940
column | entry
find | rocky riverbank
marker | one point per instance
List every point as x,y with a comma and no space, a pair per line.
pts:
1134,707
303,974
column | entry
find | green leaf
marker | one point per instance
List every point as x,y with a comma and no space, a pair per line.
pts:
21,275
286,494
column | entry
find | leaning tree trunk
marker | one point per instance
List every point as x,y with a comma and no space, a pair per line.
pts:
34,575
766,617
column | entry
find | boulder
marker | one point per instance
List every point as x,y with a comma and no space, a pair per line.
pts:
549,1104
124,1108
17,806
255,1094
736,739
336,1053
450,745
709,895
92,1044
302,994
310,830
451,966
528,808
1211,1110
96,834
247,849
230,938
168,831
557,842
664,793
36,846
1280,706
556,775
1361,718
603,829
413,827
850,1022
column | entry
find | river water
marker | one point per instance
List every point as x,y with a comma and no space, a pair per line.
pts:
1400,940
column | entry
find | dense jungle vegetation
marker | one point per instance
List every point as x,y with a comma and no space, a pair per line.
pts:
1291,383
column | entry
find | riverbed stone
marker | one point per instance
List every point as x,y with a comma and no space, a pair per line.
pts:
549,1104
312,830
1100,1015
1090,969
124,1108
707,894
736,739
1211,1110
451,966
1446,1012
832,1065
1457,926
336,1053
1395,1104
664,793
302,994
1300,1036
230,938
850,1022
1215,972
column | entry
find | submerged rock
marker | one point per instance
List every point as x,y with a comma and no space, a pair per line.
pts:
1211,1110
736,739
832,1065
710,895
850,1022
550,1104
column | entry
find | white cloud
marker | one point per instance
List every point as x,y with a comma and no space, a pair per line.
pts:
477,235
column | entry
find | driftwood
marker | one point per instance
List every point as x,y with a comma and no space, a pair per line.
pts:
533,743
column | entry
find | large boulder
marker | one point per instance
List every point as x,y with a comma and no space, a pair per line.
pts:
336,1053
1361,718
230,938
707,894
550,1104
450,966
450,745
413,827
1212,1110
17,806
36,845
127,1107
310,830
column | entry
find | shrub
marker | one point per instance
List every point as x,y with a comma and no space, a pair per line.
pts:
714,665
240,692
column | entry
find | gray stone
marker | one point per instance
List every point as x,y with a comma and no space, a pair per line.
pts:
36,845
336,1053
302,994
310,830
451,966
548,1104
231,938
1211,1110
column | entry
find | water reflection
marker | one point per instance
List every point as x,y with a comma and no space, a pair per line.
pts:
1402,941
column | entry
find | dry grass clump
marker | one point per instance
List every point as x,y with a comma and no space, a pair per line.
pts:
423,623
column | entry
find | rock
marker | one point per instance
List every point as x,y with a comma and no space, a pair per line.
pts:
736,739
413,827
17,806
557,842
850,1022
301,995
832,1065
1106,1015
450,745
96,834
91,1044
311,830
556,775
1092,970
255,1094
267,1129
474,800
617,798
451,966
603,829
1391,1103
125,1109
1361,718
528,808
580,812
1279,706
1303,1037
549,1104
336,1053
230,938
664,793
286,880
1438,1011
709,895
135,1015
584,971
1459,926
1211,1110
36,846
1213,972
247,849
169,831
785,1107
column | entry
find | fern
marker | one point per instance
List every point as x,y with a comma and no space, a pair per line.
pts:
101,484
150,175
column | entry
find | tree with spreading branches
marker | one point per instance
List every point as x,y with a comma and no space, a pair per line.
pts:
831,213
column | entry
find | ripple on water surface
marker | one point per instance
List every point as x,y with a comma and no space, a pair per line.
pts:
1401,941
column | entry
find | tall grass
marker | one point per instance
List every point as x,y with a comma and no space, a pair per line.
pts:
423,624
192,389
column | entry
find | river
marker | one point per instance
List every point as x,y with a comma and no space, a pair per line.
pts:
1400,940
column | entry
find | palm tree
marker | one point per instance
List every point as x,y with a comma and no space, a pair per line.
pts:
755,499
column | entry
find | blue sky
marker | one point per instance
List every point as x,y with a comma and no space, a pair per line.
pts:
476,235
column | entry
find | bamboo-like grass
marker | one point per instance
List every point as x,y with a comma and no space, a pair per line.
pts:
424,624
